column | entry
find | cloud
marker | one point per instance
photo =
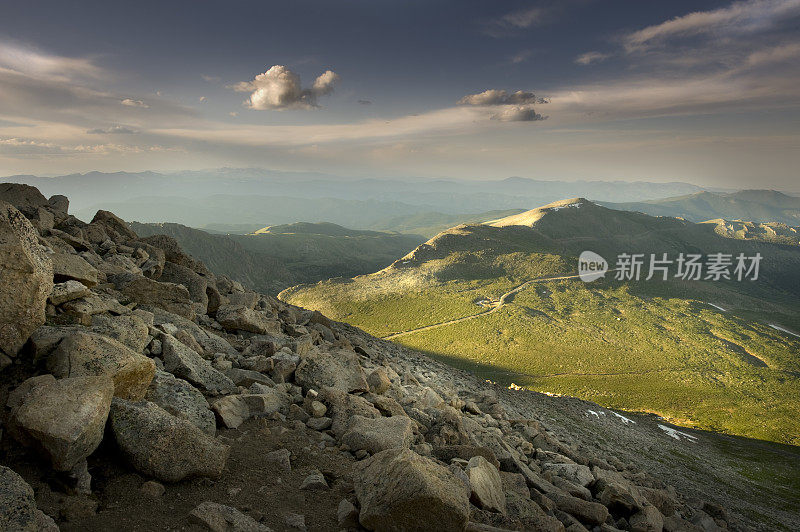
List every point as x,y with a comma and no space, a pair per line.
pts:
365,102
113,130
500,97
201,99
324,83
130,102
506,107
32,62
739,17
279,88
591,57
210,79
518,113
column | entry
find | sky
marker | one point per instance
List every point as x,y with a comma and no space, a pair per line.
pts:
701,92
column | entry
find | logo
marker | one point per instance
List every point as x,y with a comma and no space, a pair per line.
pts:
591,266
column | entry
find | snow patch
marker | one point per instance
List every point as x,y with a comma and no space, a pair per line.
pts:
672,433
570,206
595,414
779,328
717,307
624,419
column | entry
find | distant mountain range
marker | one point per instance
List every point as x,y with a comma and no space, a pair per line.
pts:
246,199
747,205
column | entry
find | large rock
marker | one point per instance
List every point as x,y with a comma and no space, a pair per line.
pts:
64,419
241,318
163,446
403,491
339,369
591,513
343,406
171,297
84,354
378,434
67,291
17,504
26,280
648,519
578,474
129,330
73,267
182,400
194,283
116,228
185,363
220,518
486,485
233,410
25,198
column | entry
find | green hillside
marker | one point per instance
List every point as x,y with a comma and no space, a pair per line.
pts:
276,257
665,347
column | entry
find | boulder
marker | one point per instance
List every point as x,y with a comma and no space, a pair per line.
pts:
220,518
314,481
400,490
59,205
231,410
241,318
648,519
25,198
64,419
129,330
26,280
67,291
446,453
173,252
279,460
378,434
343,406
246,377
116,228
185,363
378,381
579,475
591,513
17,504
486,485
182,400
171,297
339,369
163,446
194,283
67,266
89,354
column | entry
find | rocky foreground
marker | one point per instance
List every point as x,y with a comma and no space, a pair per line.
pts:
143,392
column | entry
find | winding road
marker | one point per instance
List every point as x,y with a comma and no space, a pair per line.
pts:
500,304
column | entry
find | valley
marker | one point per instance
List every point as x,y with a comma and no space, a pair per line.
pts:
662,347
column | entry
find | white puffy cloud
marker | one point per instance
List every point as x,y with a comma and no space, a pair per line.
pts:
506,107
279,88
517,113
324,83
